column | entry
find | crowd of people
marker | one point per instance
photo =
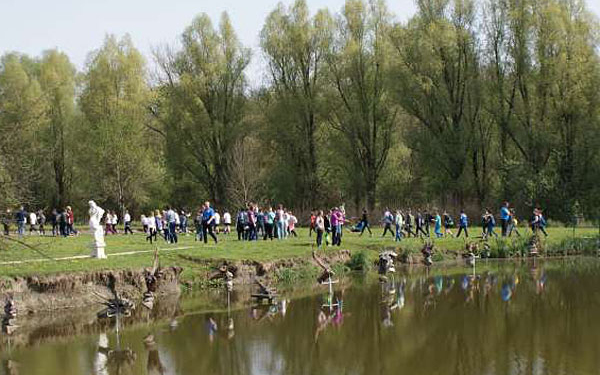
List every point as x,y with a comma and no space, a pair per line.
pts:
253,223
61,222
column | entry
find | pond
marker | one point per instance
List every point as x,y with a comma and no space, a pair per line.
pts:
501,318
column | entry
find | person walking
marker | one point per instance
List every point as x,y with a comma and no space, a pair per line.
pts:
41,222
437,227
490,224
319,228
292,224
127,223
279,216
226,222
513,225
150,228
54,222
71,221
364,221
504,218
448,224
198,226
410,222
32,223
463,223
172,224
208,217
399,221
21,219
420,222
387,221
269,222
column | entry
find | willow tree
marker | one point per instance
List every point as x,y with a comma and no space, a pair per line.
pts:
437,81
361,107
57,79
115,158
543,69
295,46
201,103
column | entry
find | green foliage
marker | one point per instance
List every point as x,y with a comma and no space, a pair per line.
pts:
465,104
358,262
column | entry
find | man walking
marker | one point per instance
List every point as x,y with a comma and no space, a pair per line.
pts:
208,218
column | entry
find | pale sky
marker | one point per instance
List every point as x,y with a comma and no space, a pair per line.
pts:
77,27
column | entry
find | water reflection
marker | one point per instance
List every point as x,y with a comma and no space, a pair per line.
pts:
517,318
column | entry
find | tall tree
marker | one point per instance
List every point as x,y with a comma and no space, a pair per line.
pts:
437,82
201,106
113,101
22,112
57,79
361,107
295,46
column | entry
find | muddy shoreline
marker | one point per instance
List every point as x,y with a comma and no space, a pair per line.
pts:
34,294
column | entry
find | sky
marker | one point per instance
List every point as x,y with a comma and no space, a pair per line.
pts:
78,27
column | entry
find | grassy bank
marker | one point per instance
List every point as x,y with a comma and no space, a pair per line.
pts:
39,257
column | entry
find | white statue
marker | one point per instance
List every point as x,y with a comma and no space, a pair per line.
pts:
96,213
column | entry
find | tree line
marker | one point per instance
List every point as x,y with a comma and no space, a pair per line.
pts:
465,104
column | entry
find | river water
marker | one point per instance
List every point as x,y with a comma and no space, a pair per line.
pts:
503,318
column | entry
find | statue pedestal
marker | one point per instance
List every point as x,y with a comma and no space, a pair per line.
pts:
98,245
98,252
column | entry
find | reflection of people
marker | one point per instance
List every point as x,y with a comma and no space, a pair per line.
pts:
212,329
154,365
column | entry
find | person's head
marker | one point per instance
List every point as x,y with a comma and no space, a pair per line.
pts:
207,204
321,213
462,211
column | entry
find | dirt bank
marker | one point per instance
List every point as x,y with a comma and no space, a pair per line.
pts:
76,290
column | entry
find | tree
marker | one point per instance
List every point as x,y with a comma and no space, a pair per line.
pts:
22,111
113,101
201,106
57,79
437,82
295,46
361,109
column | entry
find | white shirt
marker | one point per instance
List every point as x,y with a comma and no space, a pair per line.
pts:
177,218
227,218
217,218
115,219
32,218
151,222
127,218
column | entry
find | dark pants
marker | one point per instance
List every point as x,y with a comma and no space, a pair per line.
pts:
460,230
504,224
365,225
420,229
388,227
319,237
268,231
240,231
208,230
128,227
172,232
151,234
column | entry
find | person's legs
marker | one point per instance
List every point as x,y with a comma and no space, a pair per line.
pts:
211,232
173,230
543,229
504,224
319,238
398,233
205,232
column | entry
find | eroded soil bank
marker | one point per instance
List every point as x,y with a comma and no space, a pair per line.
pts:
76,290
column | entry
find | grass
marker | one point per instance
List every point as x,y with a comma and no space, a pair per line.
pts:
229,248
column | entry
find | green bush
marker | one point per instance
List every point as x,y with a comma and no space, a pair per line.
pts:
358,262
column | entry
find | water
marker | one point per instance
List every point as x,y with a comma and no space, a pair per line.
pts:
507,319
